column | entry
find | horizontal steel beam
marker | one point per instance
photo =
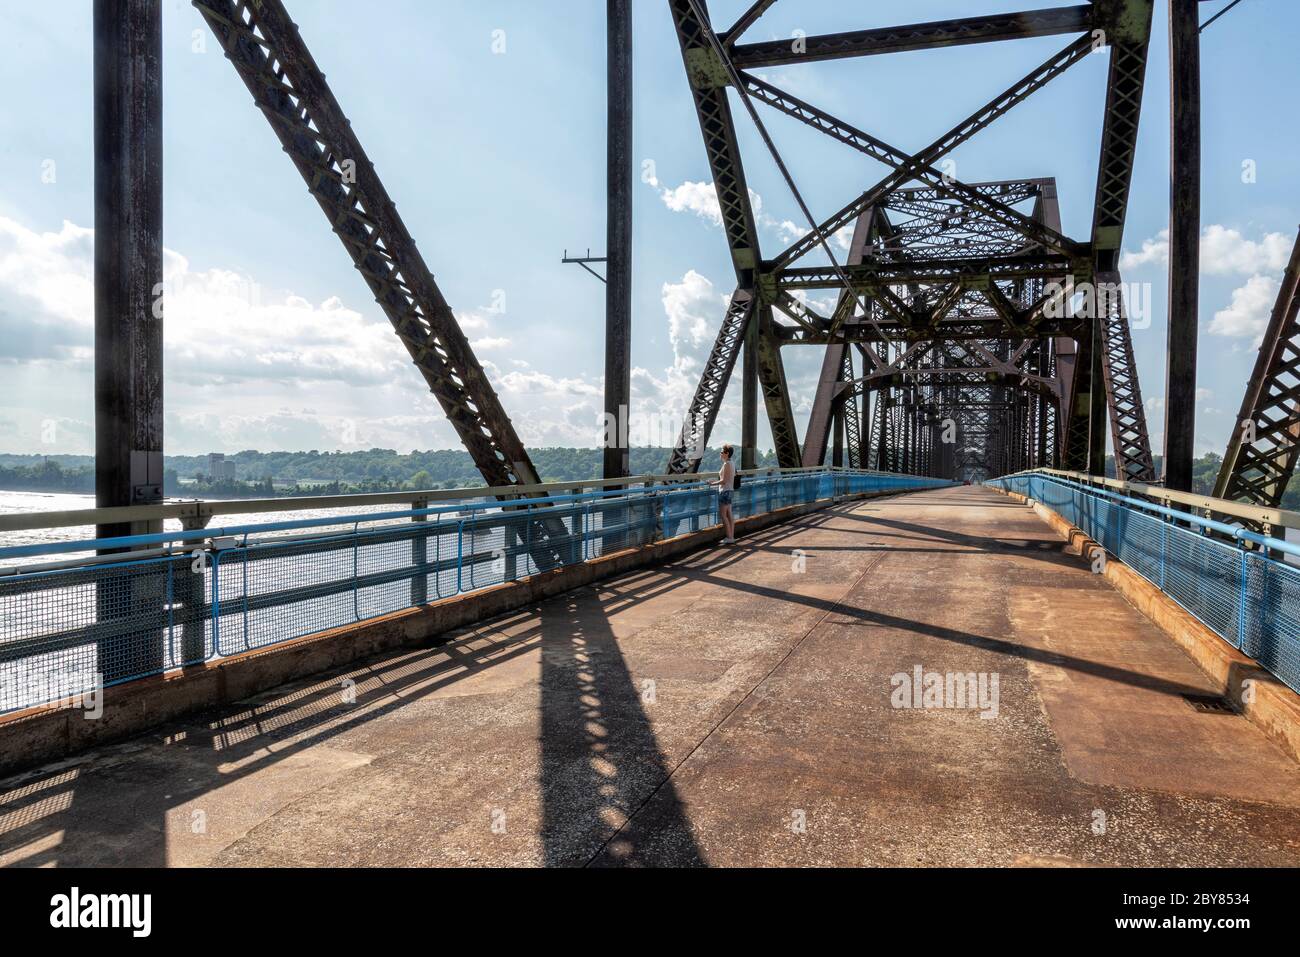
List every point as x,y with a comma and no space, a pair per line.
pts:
973,273
960,328
917,36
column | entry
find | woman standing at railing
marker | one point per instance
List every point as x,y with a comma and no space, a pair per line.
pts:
726,486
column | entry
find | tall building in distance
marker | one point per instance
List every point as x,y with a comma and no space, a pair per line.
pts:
218,468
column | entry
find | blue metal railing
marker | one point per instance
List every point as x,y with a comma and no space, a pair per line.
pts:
1229,578
188,597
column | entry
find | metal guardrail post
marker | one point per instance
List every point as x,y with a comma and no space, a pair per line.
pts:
510,544
356,598
243,558
419,555
188,592
1164,549
216,601
1241,597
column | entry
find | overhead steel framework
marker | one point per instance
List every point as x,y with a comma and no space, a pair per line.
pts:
1262,452
267,51
953,345
957,299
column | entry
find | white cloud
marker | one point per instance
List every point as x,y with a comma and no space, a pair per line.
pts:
691,305
789,232
1224,252
239,359
698,198
220,328
1154,250
248,368
541,384
1247,315
47,293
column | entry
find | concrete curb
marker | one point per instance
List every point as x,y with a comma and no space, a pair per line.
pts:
51,732
1264,700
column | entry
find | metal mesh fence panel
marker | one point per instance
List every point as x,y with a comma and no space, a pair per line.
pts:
67,631
1247,598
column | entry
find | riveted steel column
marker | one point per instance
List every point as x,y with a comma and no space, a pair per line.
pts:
618,288
1184,242
128,156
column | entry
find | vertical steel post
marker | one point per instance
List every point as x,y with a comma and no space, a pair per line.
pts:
618,288
128,158
749,397
1184,241
419,554
1097,405
837,422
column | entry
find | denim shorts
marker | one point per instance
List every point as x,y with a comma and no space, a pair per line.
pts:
724,497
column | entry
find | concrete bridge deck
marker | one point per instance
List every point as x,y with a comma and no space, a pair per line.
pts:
731,708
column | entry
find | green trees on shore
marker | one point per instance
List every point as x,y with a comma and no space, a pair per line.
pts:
268,474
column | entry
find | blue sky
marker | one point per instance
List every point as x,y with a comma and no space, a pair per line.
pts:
496,161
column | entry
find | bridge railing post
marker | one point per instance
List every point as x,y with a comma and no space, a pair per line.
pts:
419,555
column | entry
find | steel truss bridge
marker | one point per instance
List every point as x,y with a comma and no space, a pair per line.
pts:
954,348
500,647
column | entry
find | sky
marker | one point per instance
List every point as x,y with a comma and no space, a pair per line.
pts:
485,120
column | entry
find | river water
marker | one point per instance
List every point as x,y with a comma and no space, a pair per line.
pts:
21,502
26,616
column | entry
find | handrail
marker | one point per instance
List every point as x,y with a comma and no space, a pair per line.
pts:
1233,531
123,615
234,531
1244,510
1245,595
192,510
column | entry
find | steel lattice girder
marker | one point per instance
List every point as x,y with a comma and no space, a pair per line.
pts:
877,149
1128,421
267,51
849,414
1128,32
1077,435
703,411
709,88
1032,82
1265,443
837,352
918,36
934,378
776,393
975,288
870,277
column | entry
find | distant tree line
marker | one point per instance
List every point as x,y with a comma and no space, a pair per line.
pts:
268,474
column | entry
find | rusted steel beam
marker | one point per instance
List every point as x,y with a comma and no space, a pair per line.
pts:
708,78
128,155
1265,443
1184,243
918,36
618,270
981,119
703,410
265,47
776,394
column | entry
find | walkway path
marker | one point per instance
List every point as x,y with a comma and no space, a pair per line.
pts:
735,707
